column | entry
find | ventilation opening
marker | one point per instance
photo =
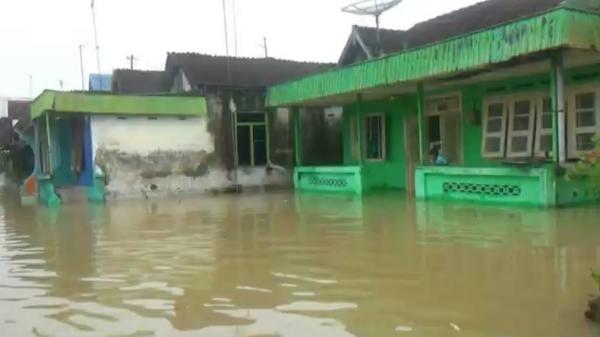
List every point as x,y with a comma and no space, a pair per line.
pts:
482,189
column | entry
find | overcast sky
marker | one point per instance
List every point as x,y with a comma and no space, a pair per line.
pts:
41,37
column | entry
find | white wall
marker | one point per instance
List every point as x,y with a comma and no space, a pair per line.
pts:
140,146
143,136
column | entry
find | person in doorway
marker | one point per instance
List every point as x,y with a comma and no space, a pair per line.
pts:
436,158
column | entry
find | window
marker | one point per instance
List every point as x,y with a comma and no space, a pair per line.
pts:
583,121
251,134
494,132
443,125
375,137
520,129
543,144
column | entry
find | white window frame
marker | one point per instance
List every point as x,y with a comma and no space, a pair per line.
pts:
540,131
510,153
573,130
487,102
383,137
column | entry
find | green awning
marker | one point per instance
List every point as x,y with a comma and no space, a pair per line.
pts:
106,104
558,28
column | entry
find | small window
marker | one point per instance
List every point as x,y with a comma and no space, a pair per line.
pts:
494,129
583,121
543,142
520,131
375,137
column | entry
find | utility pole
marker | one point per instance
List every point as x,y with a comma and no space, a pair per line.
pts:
131,58
266,47
30,86
225,25
96,37
61,84
81,66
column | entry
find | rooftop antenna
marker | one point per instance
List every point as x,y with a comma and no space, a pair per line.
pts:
131,58
371,7
225,26
235,30
93,5
81,67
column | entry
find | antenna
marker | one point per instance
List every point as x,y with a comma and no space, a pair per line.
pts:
81,66
235,30
266,47
371,7
131,58
93,5
225,26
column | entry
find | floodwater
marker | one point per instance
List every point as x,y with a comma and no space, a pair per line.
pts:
282,265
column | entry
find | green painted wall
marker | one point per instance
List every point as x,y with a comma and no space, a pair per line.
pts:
390,173
62,134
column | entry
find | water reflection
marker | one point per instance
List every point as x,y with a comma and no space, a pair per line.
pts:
285,265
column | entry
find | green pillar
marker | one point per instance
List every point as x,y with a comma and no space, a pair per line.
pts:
49,139
360,122
297,136
421,122
557,86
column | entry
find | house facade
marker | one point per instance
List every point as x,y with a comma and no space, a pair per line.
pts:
507,92
99,146
253,144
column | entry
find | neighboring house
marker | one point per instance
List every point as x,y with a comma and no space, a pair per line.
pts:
118,146
366,43
126,81
253,145
507,91
100,82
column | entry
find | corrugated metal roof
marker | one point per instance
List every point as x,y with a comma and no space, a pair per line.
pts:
560,27
106,104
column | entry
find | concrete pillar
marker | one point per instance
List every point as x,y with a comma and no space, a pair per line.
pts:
49,139
559,142
360,128
297,136
421,123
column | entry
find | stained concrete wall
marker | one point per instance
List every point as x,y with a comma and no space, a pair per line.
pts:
157,157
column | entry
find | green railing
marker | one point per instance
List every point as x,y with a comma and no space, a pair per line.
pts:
329,179
503,185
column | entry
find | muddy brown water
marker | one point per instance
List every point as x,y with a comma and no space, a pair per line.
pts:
283,265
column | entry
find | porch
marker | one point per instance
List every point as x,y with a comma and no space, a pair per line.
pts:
509,122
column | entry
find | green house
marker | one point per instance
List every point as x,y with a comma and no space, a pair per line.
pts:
507,92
